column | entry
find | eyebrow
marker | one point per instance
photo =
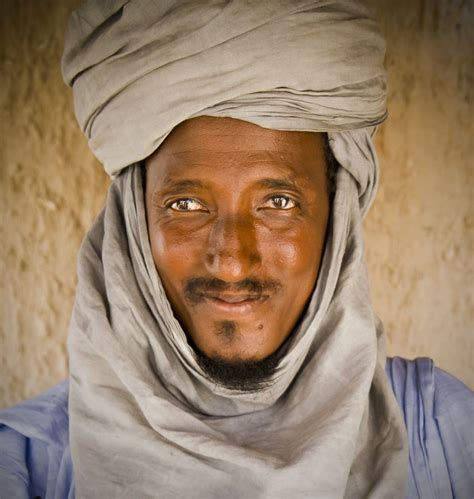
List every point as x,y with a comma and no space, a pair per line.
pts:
182,185
275,183
177,186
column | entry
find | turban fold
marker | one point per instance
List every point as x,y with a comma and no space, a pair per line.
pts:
145,420
139,68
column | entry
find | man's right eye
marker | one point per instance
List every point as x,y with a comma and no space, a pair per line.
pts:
186,205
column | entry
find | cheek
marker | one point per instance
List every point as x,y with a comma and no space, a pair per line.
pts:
173,251
296,253
290,254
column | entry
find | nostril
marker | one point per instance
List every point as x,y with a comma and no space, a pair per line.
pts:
231,267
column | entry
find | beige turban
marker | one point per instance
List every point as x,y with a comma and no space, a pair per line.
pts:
138,68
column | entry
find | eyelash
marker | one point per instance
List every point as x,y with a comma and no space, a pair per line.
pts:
182,200
288,199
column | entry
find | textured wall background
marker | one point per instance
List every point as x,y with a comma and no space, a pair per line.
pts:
420,230
419,233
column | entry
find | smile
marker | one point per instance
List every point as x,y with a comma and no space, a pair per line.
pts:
238,304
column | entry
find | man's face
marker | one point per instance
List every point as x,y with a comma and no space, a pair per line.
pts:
237,217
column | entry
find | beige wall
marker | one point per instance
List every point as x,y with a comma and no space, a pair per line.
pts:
419,232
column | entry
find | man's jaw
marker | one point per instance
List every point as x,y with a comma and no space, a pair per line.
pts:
239,374
227,304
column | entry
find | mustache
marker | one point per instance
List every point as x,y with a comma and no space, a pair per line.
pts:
197,288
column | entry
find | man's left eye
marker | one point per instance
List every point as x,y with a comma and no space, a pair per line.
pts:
186,204
280,203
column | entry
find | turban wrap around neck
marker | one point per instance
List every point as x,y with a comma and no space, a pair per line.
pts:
146,421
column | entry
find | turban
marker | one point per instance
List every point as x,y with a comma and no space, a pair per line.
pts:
146,421
138,68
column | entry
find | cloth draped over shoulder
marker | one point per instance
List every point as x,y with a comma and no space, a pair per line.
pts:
437,409
145,420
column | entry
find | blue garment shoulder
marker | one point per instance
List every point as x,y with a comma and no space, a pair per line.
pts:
439,412
35,459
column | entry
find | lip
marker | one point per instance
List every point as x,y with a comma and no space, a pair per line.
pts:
235,304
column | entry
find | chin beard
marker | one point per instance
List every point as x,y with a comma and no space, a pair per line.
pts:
239,374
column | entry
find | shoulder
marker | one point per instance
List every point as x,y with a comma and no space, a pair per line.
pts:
438,410
34,438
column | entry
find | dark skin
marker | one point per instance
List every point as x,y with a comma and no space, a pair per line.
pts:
237,217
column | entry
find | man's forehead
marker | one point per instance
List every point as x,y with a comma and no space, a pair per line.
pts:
268,169
202,155
176,182
211,145
228,134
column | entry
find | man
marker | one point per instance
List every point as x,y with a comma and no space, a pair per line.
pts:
223,342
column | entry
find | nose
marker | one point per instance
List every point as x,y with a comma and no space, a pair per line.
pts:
232,253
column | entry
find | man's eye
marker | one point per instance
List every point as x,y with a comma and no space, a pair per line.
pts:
280,203
186,205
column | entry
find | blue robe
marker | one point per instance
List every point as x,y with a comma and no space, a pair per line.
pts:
35,458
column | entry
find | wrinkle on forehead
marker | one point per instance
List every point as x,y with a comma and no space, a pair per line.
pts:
236,135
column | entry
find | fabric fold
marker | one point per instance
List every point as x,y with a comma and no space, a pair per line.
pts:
139,68
145,418
322,407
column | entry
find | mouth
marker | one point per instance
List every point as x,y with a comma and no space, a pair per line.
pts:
239,304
